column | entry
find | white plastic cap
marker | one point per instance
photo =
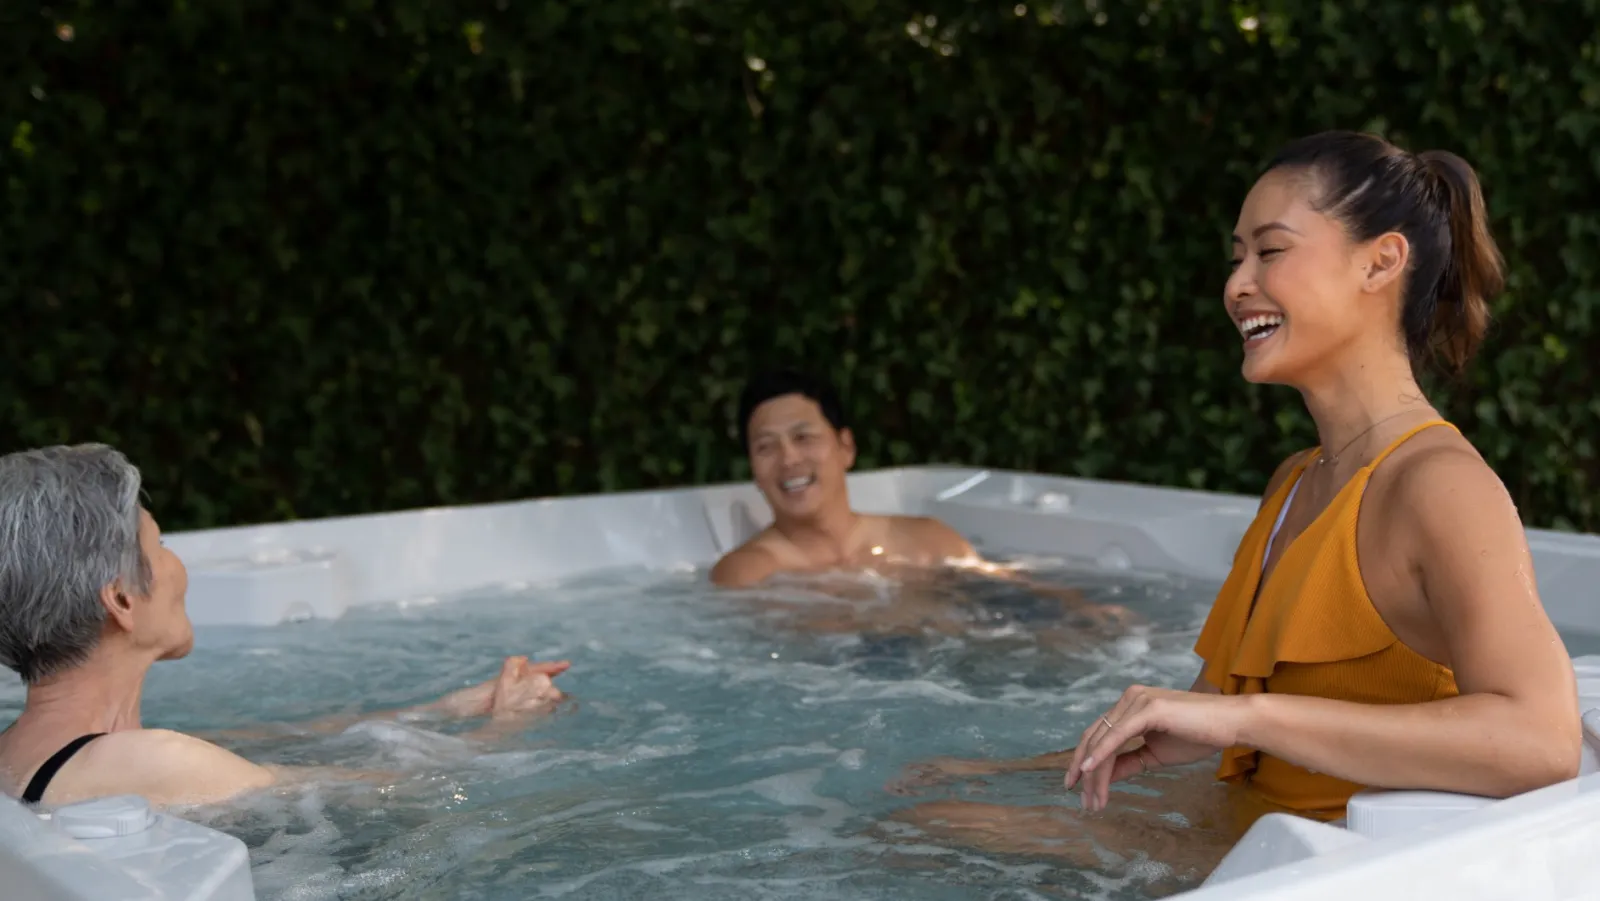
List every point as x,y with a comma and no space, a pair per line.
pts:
105,817
1387,814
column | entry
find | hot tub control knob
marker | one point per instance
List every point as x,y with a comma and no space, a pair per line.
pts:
112,817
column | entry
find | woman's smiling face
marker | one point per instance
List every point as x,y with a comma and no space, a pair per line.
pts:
1295,292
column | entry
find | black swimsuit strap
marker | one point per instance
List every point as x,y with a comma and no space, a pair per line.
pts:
46,772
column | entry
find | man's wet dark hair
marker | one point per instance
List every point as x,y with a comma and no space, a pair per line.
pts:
780,382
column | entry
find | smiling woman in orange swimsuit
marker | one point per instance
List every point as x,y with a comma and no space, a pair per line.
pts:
1380,626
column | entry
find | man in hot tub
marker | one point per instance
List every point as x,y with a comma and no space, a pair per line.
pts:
794,429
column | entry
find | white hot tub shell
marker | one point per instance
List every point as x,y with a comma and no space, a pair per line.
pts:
1396,845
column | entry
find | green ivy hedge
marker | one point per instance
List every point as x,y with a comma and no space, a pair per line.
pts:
302,259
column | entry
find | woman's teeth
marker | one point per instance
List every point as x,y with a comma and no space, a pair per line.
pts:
1260,326
799,483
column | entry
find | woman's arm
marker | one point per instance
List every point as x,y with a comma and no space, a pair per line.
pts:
520,687
173,768
1515,725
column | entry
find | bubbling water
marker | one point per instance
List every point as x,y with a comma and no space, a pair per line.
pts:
716,744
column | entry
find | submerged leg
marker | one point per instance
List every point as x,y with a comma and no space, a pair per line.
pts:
943,769
1184,831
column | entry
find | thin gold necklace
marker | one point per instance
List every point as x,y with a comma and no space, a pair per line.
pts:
1323,459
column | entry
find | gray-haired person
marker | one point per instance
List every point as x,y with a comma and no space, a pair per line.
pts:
89,599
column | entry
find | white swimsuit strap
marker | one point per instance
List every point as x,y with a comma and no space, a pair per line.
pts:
1279,524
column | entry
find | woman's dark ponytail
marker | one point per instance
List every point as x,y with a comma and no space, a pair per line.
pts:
1374,188
1474,271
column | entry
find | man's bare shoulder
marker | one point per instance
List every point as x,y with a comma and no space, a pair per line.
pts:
751,562
930,537
165,766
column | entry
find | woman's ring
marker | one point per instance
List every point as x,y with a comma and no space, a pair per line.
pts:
1107,722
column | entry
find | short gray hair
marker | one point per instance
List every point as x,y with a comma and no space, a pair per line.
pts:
69,526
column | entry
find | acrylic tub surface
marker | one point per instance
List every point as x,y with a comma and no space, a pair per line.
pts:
116,849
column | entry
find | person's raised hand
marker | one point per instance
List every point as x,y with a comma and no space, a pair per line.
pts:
521,687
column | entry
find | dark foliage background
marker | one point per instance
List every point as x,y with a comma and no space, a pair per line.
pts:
301,259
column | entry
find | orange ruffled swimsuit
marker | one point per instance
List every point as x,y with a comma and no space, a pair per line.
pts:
1310,629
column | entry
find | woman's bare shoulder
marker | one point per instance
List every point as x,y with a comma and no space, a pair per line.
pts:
166,766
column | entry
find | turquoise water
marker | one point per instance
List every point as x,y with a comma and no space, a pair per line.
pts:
717,745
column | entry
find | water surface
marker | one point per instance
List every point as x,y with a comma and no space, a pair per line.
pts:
718,745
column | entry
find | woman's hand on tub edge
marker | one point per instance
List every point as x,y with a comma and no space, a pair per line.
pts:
521,687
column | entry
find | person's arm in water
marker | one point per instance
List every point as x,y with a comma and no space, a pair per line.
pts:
955,551
169,767
460,704
1514,726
